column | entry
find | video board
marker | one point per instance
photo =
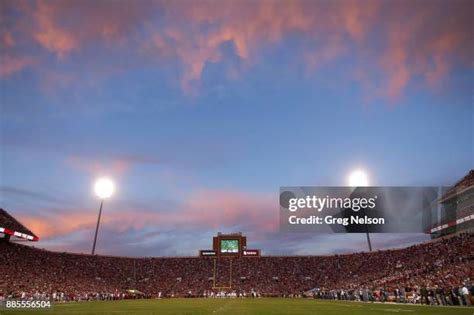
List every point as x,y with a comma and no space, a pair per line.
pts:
229,246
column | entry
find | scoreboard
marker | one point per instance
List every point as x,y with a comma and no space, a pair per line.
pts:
229,245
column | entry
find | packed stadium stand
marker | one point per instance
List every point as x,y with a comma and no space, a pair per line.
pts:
435,272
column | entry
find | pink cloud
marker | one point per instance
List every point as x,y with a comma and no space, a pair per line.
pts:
7,40
10,65
49,35
214,208
403,39
205,210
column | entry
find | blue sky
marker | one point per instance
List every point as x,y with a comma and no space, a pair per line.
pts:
201,111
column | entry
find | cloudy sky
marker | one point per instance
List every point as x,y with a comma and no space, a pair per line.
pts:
201,110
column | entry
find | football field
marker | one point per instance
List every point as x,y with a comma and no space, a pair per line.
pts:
239,307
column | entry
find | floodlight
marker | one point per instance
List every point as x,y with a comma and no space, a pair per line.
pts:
104,188
358,178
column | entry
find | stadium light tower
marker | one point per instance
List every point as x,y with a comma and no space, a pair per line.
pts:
103,188
359,178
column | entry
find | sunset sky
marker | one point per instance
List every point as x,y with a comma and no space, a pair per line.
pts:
201,110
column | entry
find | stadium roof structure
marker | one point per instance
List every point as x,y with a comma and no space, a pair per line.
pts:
457,197
462,185
10,226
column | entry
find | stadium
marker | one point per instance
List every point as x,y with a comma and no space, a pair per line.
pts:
432,274
245,157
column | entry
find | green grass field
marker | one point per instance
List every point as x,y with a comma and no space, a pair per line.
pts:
239,307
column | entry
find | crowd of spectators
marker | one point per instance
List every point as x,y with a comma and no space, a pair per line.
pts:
436,272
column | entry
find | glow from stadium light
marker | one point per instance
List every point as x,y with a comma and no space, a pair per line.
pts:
358,178
104,188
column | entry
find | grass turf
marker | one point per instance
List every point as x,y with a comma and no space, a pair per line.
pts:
239,307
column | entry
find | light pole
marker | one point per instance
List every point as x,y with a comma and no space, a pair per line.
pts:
104,188
358,178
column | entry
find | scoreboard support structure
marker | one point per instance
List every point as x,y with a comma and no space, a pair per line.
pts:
229,245
225,248
215,285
